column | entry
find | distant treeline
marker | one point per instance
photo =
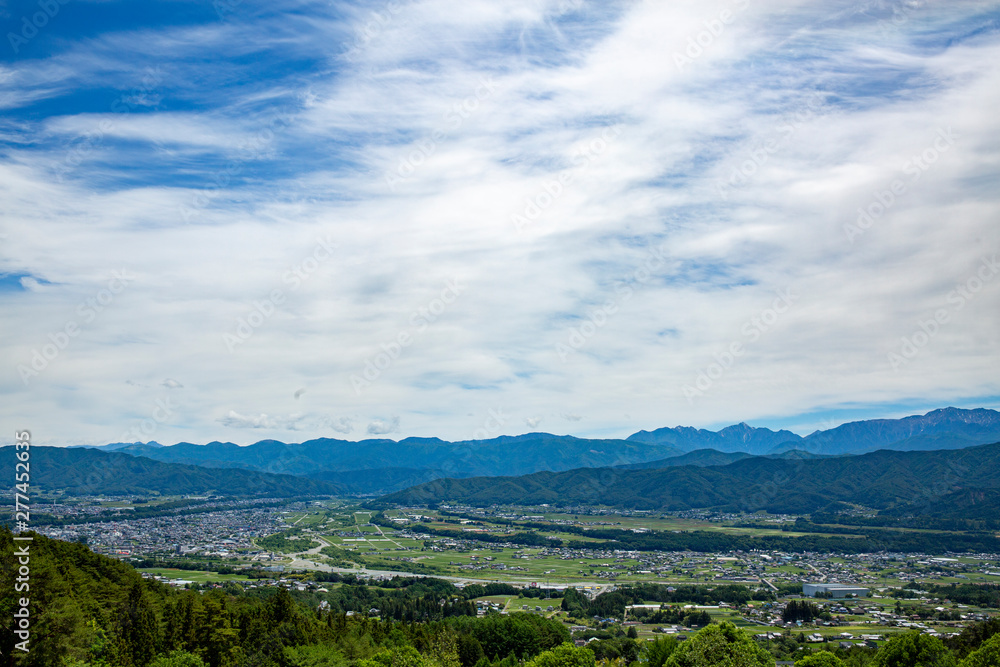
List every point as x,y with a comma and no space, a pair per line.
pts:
919,521
978,595
286,542
613,603
706,541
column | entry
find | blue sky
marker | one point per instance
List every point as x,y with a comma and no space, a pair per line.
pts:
241,220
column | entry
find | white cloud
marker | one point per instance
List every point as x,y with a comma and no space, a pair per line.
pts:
261,421
343,425
844,103
383,426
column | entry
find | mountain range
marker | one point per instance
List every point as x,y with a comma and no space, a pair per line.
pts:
945,428
382,466
883,479
79,471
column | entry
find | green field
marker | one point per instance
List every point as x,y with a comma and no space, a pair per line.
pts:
348,527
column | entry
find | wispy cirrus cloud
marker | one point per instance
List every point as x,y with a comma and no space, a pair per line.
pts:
672,190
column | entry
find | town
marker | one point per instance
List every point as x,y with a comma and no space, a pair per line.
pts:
206,542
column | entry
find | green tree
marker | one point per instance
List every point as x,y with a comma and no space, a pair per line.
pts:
820,659
722,645
574,602
632,634
444,649
988,655
178,659
522,635
564,655
406,656
137,626
314,655
913,649
470,651
658,651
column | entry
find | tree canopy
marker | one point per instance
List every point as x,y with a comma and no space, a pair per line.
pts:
722,645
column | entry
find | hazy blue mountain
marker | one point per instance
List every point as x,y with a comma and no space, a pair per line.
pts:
506,455
80,471
946,428
737,438
881,479
383,465
113,446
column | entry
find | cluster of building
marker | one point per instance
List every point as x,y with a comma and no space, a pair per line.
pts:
225,532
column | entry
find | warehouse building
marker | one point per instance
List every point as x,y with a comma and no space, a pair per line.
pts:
835,590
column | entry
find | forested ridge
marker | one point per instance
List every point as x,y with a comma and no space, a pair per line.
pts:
88,472
853,541
908,483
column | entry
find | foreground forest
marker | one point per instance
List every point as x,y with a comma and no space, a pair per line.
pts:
92,611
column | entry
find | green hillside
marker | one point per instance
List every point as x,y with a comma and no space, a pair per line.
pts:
882,479
92,472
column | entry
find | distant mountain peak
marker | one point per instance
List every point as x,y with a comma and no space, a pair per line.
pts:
741,427
739,437
973,416
943,428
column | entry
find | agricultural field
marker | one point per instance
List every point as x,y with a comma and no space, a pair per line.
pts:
395,547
